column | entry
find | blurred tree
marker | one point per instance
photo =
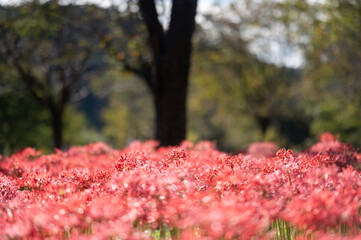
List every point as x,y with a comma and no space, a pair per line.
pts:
334,68
244,99
166,72
23,122
215,112
129,113
255,86
330,35
53,49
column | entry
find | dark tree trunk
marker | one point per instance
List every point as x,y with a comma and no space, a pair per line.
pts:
170,69
263,122
170,121
57,126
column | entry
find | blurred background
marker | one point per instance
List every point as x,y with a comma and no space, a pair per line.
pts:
266,70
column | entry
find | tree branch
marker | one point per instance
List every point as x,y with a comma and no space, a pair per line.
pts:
155,29
35,88
144,71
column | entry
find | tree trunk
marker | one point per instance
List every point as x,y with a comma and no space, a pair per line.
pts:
57,126
264,123
171,63
170,109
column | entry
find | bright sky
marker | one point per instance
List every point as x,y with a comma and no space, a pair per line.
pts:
202,5
274,51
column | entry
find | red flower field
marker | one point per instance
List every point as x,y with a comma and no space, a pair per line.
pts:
185,192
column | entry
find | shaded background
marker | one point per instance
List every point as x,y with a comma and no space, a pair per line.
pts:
282,71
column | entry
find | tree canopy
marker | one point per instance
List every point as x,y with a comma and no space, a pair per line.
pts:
120,73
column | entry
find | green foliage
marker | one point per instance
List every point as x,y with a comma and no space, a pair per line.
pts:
240,99
77,130
25,123
130,112
22,123
210,107
283,230
53,50
332,71
235,98
327,95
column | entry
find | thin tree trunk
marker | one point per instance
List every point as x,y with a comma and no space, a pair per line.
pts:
264,123
57,126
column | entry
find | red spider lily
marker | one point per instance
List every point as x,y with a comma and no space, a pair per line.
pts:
263,149
187,192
